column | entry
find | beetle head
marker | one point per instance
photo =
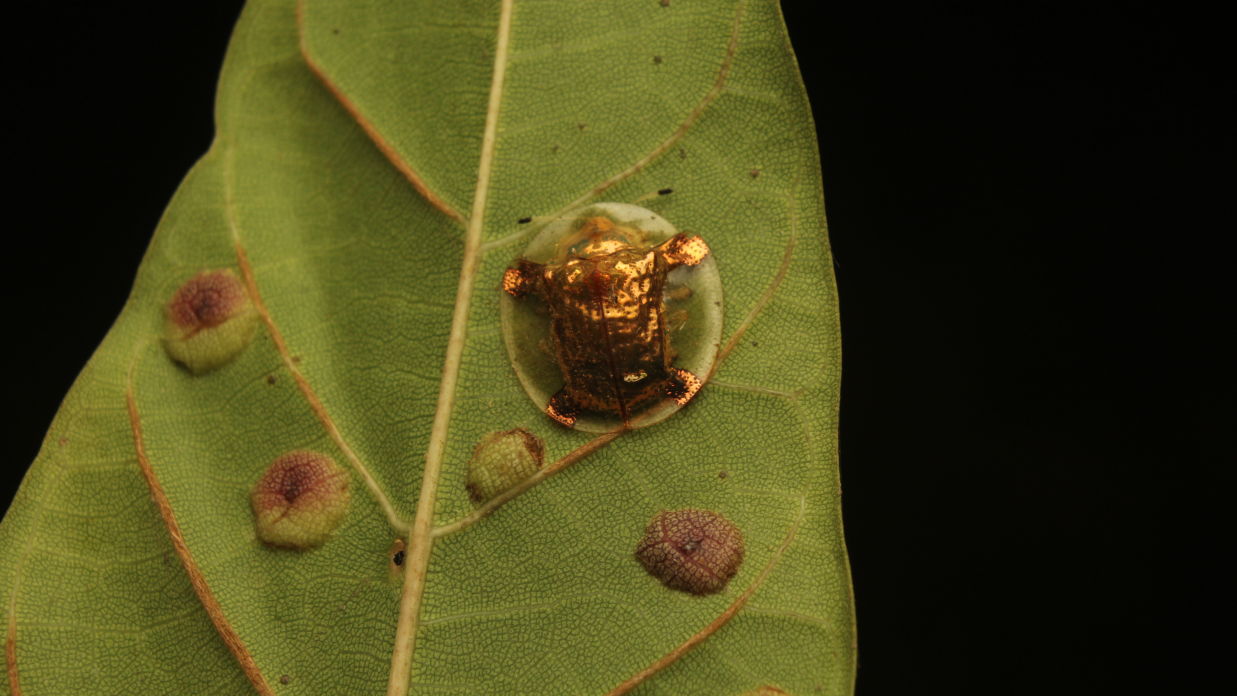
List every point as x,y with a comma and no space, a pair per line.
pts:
598,236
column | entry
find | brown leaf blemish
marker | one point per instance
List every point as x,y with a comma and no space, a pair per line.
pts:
502,460
207,300
696,551
209,320
300,500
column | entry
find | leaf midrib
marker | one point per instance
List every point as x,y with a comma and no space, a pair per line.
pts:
422,532
420,538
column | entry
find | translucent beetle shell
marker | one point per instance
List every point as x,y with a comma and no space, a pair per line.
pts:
611,317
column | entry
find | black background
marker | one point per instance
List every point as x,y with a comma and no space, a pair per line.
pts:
1015,202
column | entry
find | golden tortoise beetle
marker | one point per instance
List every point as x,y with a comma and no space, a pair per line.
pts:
611,316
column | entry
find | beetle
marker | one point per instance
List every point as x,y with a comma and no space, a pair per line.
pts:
604,290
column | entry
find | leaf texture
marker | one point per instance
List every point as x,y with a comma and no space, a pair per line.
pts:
372,164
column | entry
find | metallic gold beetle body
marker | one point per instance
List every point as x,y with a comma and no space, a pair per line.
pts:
604,291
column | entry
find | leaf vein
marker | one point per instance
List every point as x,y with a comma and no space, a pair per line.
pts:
662,148
10,649
200,587
722,619
421,537
765,297
766,391
370,130
693,116
281,346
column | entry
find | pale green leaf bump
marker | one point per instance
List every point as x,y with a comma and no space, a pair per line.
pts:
300,500
210,320
349,183
501,461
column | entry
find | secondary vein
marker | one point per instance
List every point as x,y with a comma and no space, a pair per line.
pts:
311,397
386,148
10,649
715,91
722,619
501,499
214,611
420,538
604,439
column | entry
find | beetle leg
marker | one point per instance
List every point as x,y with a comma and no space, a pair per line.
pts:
562,409
682,385
676,319
681,250
521,279
678,293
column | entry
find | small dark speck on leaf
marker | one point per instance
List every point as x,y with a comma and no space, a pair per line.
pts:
754,173
335,31
722,474
398,558
554,150
581,126
296,359
285,679
270,379
682,153
656,60
63,441
665,192
754,344
718,303
664,3
524,220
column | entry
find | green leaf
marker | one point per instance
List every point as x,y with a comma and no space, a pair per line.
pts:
371,166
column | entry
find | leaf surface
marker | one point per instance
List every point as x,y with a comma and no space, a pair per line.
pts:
367,159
